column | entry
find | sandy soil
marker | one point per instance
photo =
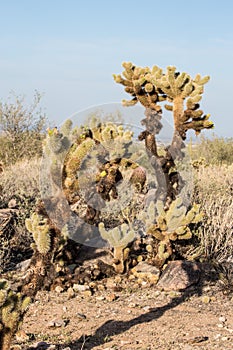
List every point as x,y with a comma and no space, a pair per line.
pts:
128,317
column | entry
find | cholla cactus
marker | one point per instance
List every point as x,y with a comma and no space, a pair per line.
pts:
12,309
137,83
151,86
39,228
119,238
169,226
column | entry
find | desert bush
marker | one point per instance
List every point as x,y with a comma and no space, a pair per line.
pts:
22,129
215,150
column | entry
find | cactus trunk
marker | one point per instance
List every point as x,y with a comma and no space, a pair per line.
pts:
5,340
178,110
119,259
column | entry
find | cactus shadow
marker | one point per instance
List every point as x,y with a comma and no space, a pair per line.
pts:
114,327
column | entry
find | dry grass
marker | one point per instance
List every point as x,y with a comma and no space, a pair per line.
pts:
214,192
19,188
20,181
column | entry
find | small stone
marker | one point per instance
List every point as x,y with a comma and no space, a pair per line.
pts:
87,293
125,342
217,336
205,299
220,325
12,203
229,330
59,289
101,287
81,316
21,336
70,293
80,287
57,323
146,308
132,305
142,266
72,267
100,298
93,285
225,338
111,297
110,283
118,279
222,319
174,294
23,265
157,293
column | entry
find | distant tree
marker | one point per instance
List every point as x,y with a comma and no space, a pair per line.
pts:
22,128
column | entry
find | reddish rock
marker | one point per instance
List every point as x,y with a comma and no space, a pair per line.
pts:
179,275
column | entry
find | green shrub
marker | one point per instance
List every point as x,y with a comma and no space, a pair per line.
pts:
216,150
22,129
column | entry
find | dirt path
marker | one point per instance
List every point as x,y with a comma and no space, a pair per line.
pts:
130,318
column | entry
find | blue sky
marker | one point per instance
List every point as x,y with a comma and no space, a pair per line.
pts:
68,50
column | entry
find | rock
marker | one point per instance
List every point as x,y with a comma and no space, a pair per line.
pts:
70,293
145,272
222,319
81,316
111,297
132,305
87,293
80,287
21,336
12,203
179,275
59,289
206,299
57,323
23,265
142,266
